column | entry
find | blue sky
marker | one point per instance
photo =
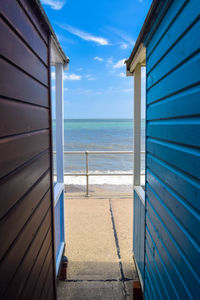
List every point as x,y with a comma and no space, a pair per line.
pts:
97,36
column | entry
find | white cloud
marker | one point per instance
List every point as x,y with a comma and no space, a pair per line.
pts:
80,91
67,76
110,60
125,37
124,46
54,4
122,74
72,77
98,58
119,64
89,77
128,90
124,40
85,35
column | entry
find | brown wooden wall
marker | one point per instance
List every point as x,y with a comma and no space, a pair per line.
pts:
26,222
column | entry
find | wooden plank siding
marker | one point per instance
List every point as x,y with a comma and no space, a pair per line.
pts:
16,16
172,241
27,268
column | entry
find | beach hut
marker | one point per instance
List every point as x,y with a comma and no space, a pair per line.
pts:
166,239
31,205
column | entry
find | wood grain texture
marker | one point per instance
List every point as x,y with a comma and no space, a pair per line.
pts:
11,188
17,85
42,276
12,11
35,18
20,214
32,279
14,257
18,283
21,55
26,191
17,150
18,118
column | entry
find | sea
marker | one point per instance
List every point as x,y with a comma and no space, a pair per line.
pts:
99,135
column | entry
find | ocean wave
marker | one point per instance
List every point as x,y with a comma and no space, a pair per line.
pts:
100,180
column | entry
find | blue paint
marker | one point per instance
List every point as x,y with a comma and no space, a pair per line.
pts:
172,205
187,46
138,234
170,107
183,77
152,39
59,229
184,158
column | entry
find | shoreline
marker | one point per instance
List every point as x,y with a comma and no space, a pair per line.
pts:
99,188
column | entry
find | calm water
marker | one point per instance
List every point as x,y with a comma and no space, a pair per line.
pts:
106,135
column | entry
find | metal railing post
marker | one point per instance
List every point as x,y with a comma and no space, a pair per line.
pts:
87,175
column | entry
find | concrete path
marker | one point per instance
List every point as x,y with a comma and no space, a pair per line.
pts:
98,247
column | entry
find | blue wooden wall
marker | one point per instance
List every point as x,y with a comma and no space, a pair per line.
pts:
138,234
59,230
172,239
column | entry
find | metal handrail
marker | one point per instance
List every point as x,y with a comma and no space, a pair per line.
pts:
87,173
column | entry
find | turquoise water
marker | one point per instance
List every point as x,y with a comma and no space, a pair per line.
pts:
99,134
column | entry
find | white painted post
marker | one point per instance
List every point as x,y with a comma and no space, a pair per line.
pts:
137,124
59,122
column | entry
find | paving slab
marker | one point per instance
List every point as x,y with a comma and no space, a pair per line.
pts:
123,215
94,228
90,243
90,291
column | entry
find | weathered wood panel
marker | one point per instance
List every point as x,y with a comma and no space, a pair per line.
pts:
18,283
11,187
17,150
21,55
26,216
18,85
15,15
42,276
32,279
22,244
35,19
26,206
25,117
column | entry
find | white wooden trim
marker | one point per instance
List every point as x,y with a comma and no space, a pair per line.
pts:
139,274
58,189
57,55
137,124
59,123
141,193
58,261
139,58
